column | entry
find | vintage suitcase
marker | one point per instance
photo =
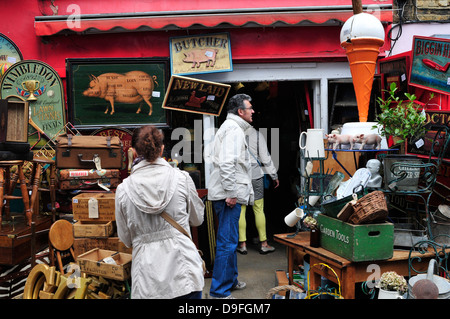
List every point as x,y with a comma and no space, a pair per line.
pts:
89,152
88,178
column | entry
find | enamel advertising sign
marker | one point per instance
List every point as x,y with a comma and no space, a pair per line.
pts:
430,67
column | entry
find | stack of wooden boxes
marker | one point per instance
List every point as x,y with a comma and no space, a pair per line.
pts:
94,227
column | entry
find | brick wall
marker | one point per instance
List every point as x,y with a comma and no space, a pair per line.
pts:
422,10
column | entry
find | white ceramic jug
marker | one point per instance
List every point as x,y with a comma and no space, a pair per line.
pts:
314,147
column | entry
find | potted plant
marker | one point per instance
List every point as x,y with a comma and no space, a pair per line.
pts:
401,119
392,286
312,224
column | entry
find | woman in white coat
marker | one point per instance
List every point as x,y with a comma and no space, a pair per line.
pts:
166,263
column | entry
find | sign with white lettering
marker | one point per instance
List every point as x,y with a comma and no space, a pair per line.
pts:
195,96
40,85
430,67
200,54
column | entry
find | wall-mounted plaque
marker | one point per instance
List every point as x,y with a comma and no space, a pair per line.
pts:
9,53
40,85
195,96
207,53
430,67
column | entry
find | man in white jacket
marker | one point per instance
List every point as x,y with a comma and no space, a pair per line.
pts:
229,187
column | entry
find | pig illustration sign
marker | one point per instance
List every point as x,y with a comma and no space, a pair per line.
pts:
200,54
195,96
111,92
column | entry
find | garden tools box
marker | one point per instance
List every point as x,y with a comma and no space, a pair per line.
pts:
88,178
89,152
367,242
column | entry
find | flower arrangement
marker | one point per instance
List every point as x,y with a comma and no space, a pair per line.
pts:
310,222
392,281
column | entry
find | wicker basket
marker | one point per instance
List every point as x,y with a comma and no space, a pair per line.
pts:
369,209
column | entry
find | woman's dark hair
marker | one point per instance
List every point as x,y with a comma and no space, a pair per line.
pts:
149,142
236,102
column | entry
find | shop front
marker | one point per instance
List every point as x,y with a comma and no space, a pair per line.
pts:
288,58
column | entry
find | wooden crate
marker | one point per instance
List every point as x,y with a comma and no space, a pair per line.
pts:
92,262
366,242
93,229
103,207
82,245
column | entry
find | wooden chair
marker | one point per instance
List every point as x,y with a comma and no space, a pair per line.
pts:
60,242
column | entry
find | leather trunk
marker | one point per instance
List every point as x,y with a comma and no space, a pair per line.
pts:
89,152
88,178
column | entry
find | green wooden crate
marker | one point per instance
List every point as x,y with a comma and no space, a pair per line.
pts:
366,242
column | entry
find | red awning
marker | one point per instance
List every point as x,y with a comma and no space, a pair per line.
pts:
268,17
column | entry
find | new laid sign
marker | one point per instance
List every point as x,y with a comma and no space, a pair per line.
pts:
40,85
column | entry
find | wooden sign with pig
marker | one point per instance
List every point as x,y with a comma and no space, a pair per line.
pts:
112,92
207,53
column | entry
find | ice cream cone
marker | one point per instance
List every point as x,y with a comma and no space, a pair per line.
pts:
362,54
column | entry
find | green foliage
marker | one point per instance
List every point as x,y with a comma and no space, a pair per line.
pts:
400,118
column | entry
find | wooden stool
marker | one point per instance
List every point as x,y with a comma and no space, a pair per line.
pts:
60,239
35,181
7,186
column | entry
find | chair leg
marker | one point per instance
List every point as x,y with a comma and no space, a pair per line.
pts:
25,197
1,194
60,264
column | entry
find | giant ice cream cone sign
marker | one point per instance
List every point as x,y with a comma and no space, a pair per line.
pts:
362,36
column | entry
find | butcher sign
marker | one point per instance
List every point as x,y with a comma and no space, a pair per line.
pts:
197,54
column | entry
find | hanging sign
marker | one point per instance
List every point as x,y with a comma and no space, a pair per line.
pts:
40,85
430,67
195,96
9,54
197,54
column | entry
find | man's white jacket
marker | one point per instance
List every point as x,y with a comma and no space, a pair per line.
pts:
231,168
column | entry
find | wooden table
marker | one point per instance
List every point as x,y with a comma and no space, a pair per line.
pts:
349,272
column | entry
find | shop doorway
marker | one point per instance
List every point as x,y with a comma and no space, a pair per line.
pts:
283,109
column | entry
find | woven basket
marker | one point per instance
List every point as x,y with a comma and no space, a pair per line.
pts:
370,208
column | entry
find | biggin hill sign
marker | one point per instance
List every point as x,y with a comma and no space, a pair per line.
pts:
200,54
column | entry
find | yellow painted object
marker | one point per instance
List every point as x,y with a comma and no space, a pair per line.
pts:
311,294
44,282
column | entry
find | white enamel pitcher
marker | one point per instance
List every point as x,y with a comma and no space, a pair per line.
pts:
314,146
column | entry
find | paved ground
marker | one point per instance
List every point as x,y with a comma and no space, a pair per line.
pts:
258,271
